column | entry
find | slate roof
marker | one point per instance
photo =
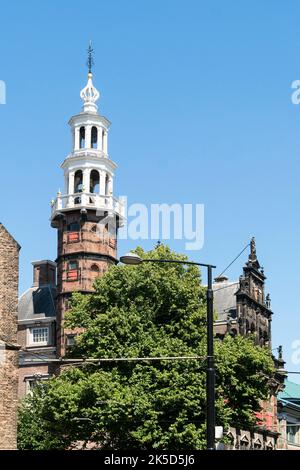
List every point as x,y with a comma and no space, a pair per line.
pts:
37,302
225,299
291,391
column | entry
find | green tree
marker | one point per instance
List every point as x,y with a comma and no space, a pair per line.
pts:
148,310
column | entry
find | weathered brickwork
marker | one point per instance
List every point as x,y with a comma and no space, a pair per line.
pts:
9,277
82,256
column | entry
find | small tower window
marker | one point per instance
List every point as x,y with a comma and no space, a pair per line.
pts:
95,271
94,181
95,268
94,137
82,137
72,271
73,235
72,265
73,227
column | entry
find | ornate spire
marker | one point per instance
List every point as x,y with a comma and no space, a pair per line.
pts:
90,61
89,94
252,256
252,259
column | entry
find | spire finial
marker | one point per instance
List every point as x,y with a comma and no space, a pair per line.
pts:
90,60
253,247
89,94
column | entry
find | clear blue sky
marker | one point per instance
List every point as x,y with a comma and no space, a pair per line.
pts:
199,95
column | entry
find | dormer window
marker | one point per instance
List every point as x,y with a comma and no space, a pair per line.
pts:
38,336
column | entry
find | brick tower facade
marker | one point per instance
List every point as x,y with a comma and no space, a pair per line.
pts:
87,216
9,279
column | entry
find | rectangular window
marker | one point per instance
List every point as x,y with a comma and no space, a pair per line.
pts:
33,381
292,430
72,265
71,340
72,271
39,336
73,227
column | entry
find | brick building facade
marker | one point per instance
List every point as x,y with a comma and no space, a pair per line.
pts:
243,308
9,279
37,327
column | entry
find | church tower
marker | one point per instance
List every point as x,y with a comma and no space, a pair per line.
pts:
87,215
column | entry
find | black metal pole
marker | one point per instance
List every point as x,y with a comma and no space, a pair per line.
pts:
210,374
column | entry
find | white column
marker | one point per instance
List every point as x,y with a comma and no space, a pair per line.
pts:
110,186
102,183
71,188
86,180
66,189
86,186
100,138
76,138
105,142
88,130
71,182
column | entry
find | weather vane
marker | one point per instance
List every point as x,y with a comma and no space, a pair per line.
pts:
90,61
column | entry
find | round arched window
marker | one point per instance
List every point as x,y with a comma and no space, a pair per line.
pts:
95,268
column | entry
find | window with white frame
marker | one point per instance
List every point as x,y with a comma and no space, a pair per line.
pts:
38,336
32,381
292,433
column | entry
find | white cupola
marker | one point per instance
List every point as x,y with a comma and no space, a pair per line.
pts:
88,170
89,95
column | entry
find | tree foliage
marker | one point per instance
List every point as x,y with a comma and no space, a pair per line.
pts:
150,310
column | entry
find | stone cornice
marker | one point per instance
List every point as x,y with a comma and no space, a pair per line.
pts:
241,294
89,118
86,255
32,321
87,158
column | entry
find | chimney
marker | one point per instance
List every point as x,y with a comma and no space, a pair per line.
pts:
221,279
44,273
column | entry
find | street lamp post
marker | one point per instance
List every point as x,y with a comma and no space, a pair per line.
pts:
133,259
